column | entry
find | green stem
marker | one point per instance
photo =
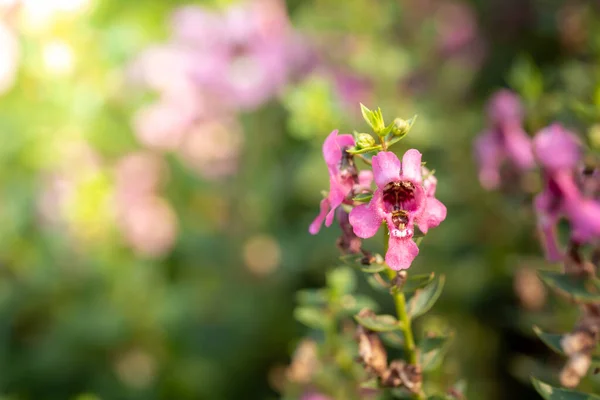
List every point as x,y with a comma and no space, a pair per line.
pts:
400,301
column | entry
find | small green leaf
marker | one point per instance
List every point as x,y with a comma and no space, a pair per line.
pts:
312,297
416,282
353,304
552,340
377,285
583,289
373,118
363,197
312,317
358,262
432,352
341,281
354,150
552,393
425,298
379,323
393,339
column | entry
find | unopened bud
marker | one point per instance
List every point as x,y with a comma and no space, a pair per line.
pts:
401,127
364,141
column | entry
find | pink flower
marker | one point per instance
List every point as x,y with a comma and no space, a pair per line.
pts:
505,140
402,199
559,152
243,55
343,177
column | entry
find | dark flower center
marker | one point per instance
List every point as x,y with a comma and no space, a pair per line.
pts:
347,167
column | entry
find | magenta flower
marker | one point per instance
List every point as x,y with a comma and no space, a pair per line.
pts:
505,140
343,177
559,152
402,199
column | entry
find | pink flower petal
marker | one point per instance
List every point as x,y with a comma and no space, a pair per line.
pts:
365,178
411,165
518,146
386,168
315,226
550,241
584,216
331,150
489,156
365,219
401,253
345,141
435,213
557,148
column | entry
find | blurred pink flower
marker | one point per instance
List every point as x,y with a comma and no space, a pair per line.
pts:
137,175
212,148
559,153
243,55
504,140
401,200
149,226
162,125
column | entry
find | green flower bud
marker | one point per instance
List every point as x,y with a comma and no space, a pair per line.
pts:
364,141
401,127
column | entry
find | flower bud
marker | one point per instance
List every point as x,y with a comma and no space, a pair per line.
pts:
364,140
575,369
401,127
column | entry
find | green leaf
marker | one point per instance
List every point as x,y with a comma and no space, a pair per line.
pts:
526,78
393,339
354,150
373,118
416,282
432,352
363,197
312,297
579,288
379,323
341,281
353,304
552,393
312,317
425,298
552,340
375,284
357,262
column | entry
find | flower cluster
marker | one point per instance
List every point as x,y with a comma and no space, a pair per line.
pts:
558,153
215,65
404,197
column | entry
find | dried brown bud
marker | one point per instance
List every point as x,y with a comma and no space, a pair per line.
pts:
304,362
401,374
577,342
372,352
575,369
529,289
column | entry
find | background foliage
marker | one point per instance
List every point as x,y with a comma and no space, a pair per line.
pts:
83,315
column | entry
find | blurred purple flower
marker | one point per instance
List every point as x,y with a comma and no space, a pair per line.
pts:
559,152
504,140
402,199
243,55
